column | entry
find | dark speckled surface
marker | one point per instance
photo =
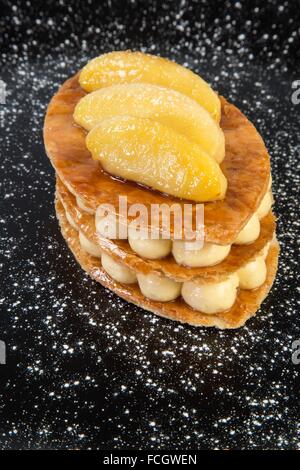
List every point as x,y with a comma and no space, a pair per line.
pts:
85,369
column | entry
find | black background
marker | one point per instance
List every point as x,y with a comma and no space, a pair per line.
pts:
85,369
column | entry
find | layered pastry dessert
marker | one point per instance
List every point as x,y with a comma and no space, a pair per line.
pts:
142,129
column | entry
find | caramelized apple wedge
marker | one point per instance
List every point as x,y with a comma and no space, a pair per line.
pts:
165,105
135,67
150,153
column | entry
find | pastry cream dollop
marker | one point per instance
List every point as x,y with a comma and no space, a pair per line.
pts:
211,298
159,288
117,271
90,247
81,204
147,247
71,221
265,205
253,274
250,232
208,255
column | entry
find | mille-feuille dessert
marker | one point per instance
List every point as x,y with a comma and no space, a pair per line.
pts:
135,126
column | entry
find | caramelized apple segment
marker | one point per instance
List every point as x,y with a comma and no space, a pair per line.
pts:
150,153
135,67
165,105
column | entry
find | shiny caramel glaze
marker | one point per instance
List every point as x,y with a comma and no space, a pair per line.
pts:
245,306
246,167
120,249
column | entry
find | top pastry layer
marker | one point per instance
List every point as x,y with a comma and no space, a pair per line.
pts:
246,167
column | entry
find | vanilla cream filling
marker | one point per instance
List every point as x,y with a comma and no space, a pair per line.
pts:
112,228
265,205
250,232
209,255
81,204
253,274
117,271
147,247
71,221
265,251
270,182
69,187
90,247
161,289
211,298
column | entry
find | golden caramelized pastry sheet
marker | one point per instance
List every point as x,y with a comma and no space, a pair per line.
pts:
246,305
246,167
121,251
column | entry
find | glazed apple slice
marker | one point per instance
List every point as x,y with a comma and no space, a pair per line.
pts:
161,104
135,67
150,153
